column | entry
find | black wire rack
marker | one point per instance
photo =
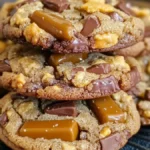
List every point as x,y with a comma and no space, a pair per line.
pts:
140,141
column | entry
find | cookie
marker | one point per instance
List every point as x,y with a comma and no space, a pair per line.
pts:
73,26
141,92
140,10
138,49
3,45
64,76
29,123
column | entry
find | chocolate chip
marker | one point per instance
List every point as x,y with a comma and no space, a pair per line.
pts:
134,76
90,24
76,70
99,69
122,5
105,86
147,95
83,135
56,5
115,16
147,31
78,44
3,119
65,108
134,92
4,66
112,142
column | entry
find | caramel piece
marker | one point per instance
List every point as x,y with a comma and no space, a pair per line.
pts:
107,110
56,59
66,130
55,25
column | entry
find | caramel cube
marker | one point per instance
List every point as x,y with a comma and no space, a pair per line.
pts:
56,59
55,25
66,130
107,110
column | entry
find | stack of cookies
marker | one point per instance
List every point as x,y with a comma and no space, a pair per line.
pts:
141,92
69,79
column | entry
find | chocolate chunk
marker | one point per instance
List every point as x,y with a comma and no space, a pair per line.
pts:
122,5
3,119
112,142
147,95
115,16
147,31
75,70
90,24
134,76
106,85
99,69
56,5
79,44
66,108
4,66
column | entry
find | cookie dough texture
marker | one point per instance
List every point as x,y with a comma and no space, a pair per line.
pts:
110,28
27,71
86,121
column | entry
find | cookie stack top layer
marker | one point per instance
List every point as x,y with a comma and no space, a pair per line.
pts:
71,26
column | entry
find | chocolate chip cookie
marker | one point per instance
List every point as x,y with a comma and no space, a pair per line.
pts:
104,123
70,26
142,11
64,76
141,92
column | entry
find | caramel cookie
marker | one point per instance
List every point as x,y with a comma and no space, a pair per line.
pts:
142,11
104,123
70,26
141,92
138,49
64,76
